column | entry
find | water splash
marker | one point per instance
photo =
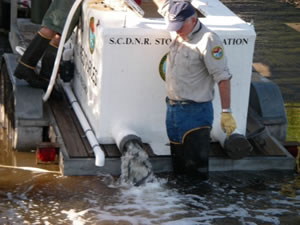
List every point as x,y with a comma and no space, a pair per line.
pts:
135,167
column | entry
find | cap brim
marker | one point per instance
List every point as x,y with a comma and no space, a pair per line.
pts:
175,26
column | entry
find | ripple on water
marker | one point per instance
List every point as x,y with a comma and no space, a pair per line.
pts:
53,199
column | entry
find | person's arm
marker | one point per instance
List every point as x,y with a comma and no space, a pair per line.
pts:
228,124
224,89
216,64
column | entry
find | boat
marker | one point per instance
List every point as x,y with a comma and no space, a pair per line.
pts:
117,57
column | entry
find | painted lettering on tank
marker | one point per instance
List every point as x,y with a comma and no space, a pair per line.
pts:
235,41
129,41
88,67
146,41
162,41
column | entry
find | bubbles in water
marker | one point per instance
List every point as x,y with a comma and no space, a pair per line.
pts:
135,168
224,199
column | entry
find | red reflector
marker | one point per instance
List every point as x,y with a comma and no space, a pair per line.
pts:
46,154
139,2
293,150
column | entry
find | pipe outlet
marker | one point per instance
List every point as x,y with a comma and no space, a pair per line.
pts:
237,146
123,135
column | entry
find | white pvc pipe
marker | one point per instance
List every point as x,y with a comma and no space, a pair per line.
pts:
60,49
119,132
99,154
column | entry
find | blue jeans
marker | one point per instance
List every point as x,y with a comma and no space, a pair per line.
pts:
183,117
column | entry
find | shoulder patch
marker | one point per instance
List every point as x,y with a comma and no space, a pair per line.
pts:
217,52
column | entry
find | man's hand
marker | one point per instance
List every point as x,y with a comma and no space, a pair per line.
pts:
228,124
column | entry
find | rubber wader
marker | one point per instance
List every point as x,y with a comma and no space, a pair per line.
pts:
178,159
191,158
197,147
48,61
26,66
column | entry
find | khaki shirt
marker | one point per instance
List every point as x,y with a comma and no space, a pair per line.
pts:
195,65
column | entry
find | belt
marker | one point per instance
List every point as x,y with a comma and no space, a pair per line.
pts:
179,102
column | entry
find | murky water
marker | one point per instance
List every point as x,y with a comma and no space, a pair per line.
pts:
31,196
38,194
228,198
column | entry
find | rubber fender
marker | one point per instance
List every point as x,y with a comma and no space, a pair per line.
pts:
267,101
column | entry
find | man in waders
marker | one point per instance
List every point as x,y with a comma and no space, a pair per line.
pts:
45,44
196,61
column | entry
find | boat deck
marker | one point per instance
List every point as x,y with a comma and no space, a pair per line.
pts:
76,155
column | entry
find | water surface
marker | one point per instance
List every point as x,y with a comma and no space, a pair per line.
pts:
31,196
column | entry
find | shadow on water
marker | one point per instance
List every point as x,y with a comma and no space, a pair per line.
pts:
29,196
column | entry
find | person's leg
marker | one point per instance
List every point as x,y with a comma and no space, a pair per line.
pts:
55,19
196,148
57,14
47,33
53,23
49,57
176,147
188,129
178,159
26,66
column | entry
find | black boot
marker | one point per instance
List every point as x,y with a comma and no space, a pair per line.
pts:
178,162
48,62
197,147
26,66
